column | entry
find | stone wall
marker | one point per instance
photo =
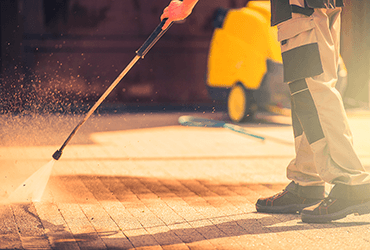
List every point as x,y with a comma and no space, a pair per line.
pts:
76,48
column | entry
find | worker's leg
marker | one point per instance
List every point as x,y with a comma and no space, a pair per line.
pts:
321,113
320,110
310,46
302,169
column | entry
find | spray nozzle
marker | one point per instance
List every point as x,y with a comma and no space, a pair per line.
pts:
57,154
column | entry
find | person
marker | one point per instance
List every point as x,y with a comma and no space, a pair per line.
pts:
309,34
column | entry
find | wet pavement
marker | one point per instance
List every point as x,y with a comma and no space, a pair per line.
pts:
141,180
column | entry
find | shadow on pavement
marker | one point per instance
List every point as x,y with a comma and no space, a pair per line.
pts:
197,234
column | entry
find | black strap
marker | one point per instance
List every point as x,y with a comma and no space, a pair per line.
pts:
305,11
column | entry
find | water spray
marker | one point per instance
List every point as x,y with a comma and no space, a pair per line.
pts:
32,189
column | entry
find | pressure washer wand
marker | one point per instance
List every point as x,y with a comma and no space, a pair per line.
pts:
140,53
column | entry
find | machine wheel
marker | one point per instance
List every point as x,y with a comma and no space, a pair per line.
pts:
239,104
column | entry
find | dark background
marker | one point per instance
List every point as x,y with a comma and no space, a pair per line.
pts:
59,54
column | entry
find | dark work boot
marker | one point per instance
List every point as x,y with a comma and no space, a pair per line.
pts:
342,201
292,199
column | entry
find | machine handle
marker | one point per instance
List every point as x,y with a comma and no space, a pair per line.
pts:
153,38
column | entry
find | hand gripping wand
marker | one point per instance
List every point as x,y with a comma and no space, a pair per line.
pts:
140,53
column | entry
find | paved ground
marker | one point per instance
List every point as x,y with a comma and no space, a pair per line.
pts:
142,181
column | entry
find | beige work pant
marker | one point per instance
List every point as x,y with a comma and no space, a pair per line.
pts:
323,140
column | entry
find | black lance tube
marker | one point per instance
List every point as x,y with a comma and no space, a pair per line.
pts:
140,53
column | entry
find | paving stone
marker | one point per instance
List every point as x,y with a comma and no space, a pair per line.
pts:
9,235
29,226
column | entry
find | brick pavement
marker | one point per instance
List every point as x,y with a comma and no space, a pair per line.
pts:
142,181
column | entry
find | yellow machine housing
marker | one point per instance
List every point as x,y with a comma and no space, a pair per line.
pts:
240,48
243,41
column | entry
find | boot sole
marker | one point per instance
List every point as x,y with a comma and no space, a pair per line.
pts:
360,209
290,209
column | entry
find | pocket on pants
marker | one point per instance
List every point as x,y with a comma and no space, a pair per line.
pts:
299,47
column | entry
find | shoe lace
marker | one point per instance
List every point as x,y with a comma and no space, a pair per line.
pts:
278,194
